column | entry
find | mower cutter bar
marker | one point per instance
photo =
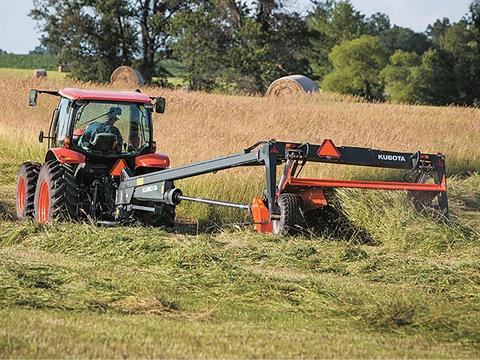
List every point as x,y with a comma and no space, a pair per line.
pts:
359,184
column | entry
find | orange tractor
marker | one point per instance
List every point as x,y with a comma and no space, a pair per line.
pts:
92,135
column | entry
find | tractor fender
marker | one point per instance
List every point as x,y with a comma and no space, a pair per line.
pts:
65,156
159,161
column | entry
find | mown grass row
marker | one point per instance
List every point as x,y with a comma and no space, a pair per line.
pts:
242,276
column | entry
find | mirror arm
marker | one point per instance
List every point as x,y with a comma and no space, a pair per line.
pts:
42,136
49,92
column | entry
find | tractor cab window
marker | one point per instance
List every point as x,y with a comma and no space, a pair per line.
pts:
111,128
60,130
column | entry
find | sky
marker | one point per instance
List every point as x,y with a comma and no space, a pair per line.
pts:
18,33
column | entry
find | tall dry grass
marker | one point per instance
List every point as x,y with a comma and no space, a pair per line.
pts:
199,125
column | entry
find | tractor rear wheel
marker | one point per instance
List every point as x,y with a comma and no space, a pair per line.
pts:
56,195
26,183
290,215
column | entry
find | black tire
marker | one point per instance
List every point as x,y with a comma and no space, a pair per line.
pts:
165,218
290,215
56,195
26,184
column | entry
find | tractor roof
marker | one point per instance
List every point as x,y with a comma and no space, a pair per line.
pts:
84,94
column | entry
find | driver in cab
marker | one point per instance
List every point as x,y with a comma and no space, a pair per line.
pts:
107,127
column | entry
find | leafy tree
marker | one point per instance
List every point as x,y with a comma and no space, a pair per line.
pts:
256,58
287,43
434,80
201,42
398,76
83,35
475,17
332,22
153,19
248,58
39,50
227,46
96,36
357,65
460,42
377,24
436,31
265,10
346,22
405,39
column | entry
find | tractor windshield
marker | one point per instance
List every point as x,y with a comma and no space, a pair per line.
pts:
111,128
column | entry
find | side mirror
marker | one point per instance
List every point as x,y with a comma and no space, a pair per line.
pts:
41,136
160,105
32,97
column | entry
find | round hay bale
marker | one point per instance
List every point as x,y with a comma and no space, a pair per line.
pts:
293,84
38,73
126,75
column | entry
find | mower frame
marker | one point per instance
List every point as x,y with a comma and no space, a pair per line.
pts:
269,154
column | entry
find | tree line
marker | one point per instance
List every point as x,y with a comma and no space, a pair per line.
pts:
239,46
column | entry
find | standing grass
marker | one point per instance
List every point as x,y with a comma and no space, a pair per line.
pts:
30,61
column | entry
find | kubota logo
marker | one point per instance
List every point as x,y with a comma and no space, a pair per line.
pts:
149,188
391,157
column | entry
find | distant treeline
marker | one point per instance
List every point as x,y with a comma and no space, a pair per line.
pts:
240,46
30,61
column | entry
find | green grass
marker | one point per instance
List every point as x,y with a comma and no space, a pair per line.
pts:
47,62
396,284
12,73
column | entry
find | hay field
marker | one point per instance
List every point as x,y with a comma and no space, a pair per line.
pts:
408,289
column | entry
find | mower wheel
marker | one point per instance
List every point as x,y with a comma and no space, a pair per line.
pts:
26,183
56,195
166,217
290,215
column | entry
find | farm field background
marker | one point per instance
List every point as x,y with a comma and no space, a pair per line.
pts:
403,285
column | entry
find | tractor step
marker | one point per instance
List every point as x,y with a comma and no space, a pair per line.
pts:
106,223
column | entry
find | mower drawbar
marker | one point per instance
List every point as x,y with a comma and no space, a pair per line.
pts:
285,202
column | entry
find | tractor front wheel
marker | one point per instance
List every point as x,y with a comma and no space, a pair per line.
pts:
56,195
26,183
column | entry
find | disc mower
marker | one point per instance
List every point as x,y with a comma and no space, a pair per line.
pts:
102,164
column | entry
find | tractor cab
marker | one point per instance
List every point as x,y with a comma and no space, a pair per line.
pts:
102,124
108,129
